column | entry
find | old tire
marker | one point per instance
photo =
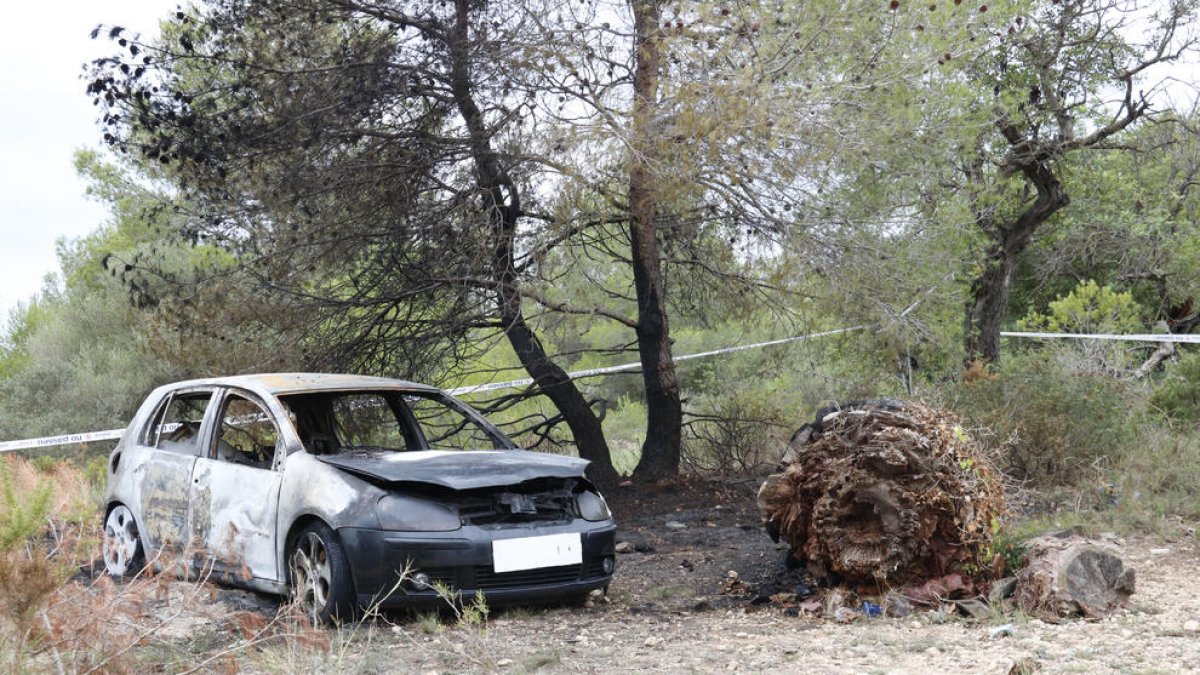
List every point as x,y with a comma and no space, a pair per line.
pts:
319,574
123,552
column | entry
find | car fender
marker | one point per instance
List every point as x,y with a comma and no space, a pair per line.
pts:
314,490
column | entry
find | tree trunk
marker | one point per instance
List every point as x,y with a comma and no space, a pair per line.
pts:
987,306
1069,577
664,411
990,290
502,202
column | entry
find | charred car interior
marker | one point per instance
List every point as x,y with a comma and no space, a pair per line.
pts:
349,491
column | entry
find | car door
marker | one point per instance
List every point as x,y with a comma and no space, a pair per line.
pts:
171,441
235,490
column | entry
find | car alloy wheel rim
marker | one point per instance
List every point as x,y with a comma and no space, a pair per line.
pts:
311,577
120,540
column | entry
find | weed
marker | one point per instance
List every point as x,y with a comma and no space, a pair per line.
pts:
541,660
430,623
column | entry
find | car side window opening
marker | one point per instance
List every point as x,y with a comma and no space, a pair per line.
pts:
247,435
176,427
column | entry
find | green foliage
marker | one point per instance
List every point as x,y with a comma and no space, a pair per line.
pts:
24,514
1051,426
1009,544
1178,395
1089,308
1154,476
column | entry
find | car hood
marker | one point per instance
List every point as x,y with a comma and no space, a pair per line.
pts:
457,470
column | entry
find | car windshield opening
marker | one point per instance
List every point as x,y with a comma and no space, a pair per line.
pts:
336,422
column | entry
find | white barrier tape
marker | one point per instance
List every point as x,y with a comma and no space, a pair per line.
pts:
65,439
113,434
625,367
1137,337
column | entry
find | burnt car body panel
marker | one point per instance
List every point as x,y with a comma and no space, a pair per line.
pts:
235,508
462,471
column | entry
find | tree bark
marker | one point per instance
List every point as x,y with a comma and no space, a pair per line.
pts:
664,410
990,290
501,199
1073,576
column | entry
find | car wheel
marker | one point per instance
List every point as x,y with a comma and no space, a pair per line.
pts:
320,575
123,553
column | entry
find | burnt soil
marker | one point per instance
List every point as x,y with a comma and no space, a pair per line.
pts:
693,595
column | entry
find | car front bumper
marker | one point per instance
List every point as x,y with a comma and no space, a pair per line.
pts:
384,564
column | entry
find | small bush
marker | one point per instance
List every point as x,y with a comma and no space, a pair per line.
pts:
1087,309
1051,426
1091,308
1178,395
1156,476
737,433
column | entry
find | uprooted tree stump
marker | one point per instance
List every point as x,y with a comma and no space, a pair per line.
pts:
1064,577
885,493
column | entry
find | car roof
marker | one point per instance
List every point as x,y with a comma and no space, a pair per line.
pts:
294,383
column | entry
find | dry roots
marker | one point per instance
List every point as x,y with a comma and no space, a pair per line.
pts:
885,493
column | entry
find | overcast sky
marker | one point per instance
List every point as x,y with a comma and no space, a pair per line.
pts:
44,116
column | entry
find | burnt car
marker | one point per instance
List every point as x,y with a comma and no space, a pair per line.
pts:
346,492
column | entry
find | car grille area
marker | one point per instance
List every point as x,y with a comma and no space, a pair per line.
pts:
483,578
534,502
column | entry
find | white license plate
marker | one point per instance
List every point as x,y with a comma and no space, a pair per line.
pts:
528,553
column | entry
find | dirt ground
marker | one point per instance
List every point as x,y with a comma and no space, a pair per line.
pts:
692,596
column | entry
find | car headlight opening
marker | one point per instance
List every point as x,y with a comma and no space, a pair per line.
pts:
410,514
592,506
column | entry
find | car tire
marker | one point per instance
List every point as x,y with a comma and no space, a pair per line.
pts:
319,574
123,553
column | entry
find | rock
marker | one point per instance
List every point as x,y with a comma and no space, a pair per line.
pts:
802,590
1072,576
897,606
974,608
1159,551
653,641
1002,589
643,547
845,615
1192,626
834,600
1001,631
504,663
624,547
942,615
675,525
